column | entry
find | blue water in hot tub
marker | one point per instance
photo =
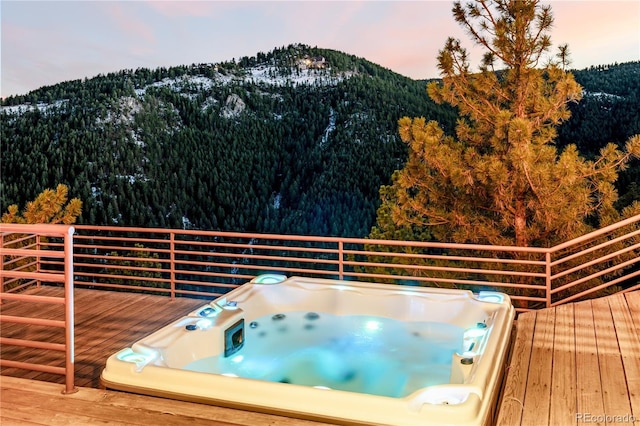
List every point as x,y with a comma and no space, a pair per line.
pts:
364,354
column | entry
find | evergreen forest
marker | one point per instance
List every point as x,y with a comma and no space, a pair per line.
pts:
295,141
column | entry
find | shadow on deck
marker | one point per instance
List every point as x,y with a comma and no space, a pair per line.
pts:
575,363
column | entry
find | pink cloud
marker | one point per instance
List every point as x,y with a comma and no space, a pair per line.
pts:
198,9
590,37
404,37
24,60
126,21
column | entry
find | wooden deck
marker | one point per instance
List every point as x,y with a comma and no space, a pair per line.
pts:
571,364
34,402
105,322
575,363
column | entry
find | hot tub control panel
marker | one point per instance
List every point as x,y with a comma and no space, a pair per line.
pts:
234,338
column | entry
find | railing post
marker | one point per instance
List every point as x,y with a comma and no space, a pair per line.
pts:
1,265
68,317
548,277
341,261
172,264
38,247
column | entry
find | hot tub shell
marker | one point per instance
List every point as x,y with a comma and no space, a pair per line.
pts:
153,365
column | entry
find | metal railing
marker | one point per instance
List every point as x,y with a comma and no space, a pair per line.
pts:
24,251
208,263
606,260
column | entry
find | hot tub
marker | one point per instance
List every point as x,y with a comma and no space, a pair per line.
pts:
338,351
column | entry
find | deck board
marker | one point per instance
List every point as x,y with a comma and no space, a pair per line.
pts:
633,304
517,370
105,322
614,387
588,377
629,344
563,386
35,402
536,404
575,364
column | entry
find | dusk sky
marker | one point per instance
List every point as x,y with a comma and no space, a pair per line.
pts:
47,42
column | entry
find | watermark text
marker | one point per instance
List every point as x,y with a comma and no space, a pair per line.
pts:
606,418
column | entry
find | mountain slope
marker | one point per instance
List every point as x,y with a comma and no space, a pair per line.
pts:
297,140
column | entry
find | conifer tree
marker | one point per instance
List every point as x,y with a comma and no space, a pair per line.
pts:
48,207
500,179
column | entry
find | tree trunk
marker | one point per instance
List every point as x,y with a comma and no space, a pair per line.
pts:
520,224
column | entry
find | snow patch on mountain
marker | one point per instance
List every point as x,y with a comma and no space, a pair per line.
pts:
261,74
138,177
603,95
273,76
127,108
330,127
180,84
41,106
208,103
233,107
303,74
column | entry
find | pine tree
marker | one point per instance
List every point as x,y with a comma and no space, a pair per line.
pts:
48,207
500,180
140,262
